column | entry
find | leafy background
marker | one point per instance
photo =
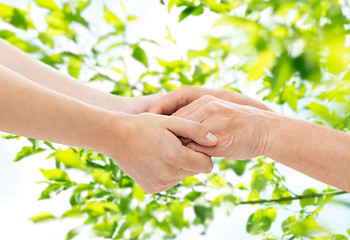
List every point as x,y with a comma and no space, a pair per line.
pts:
292,54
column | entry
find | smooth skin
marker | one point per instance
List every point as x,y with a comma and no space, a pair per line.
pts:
38,72
145,146
245,131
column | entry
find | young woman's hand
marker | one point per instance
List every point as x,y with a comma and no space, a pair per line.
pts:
146,148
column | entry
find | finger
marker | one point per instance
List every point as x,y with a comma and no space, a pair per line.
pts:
199,115
209,151
196,162
192,130
194,106
171,102
186,110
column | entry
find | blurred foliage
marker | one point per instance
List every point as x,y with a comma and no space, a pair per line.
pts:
296,51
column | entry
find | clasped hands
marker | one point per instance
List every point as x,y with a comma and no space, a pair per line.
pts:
211,123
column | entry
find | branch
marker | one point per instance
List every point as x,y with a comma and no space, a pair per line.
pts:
298,197
165,196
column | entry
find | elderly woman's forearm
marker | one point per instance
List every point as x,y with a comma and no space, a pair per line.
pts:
315,150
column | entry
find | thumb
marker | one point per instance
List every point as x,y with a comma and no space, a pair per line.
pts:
192,130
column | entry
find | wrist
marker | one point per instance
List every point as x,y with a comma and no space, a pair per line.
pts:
119,104
277,125
113,129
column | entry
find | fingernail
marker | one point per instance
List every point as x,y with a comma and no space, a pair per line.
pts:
212,138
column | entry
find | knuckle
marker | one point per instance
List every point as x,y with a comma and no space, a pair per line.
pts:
164,175
213,107
207,98
173,157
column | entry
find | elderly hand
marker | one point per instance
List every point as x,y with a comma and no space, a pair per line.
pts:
243,131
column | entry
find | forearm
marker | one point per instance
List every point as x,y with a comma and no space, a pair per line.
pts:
46,76
30,110
317,151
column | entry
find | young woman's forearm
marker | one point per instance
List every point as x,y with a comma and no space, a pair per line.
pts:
31,110
36,71
317,151
144,146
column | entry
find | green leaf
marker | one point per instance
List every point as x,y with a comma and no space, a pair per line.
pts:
190,181
105,229
72,233
193,196
303,227
82,4
203,213
42,217
17,17
261,220
282,72
56,175
171,4
177,214
191,10
71,159
282,193
21,44
308,201
46,39
6,11
290,96
259,181
49,190
74,66
19,20
332,237
308,66
8,137
140,55
138,193
289,223
262,176
348,231
320,110
103,178
113,20
26,152
49,4
74,212
217,180
236,165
